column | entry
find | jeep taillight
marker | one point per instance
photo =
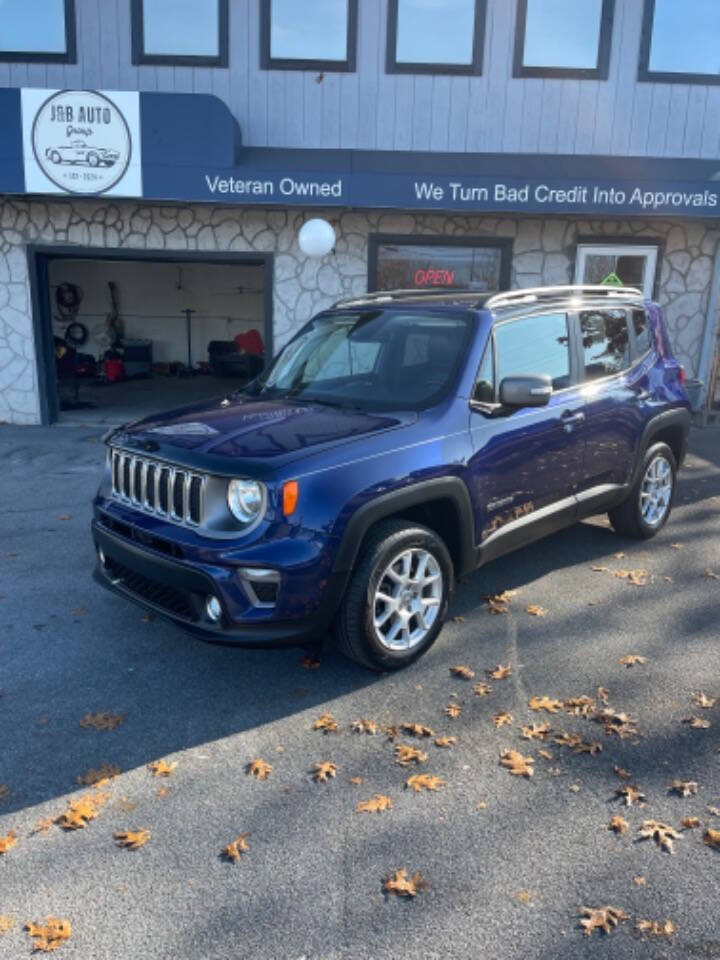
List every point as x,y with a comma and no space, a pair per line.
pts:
682,375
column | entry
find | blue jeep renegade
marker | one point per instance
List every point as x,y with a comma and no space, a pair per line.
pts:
398,442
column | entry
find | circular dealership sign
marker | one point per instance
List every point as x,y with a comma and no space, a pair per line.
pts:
81,141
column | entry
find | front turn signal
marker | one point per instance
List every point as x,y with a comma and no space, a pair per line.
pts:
290,497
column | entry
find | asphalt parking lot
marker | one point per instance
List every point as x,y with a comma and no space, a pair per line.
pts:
508,859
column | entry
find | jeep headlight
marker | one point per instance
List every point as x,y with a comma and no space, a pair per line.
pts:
246,500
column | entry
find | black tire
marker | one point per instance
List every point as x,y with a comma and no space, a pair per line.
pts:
55,157
93,159
627,518
353,629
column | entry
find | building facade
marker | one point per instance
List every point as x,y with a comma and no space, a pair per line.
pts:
160,157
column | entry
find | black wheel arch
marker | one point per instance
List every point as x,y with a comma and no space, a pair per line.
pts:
671,427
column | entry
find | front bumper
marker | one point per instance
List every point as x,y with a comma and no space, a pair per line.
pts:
177,591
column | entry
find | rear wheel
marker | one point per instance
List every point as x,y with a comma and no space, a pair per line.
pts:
397,599
647,507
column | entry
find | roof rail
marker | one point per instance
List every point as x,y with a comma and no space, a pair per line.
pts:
380,296
533,294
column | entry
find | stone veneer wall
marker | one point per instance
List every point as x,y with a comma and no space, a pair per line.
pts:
543,253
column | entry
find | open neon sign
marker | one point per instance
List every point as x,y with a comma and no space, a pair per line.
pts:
434,277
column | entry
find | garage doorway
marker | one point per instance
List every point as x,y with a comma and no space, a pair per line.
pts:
123,334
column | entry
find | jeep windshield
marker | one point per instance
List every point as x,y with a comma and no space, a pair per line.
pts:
370,359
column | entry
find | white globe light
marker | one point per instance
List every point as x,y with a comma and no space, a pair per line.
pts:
316,238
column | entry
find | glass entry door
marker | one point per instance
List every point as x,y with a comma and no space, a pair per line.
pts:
614,263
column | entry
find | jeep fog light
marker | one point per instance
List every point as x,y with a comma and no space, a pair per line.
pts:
246,500
213,609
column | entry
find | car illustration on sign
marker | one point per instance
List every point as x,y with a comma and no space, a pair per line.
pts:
79,152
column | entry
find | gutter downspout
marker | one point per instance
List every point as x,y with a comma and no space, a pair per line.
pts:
710,329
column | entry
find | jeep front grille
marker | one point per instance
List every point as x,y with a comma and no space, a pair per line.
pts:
157,488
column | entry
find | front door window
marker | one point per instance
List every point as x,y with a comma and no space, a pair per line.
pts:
629,265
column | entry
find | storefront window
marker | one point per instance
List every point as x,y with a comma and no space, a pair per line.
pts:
681,41
41,31
563,38
440,36
617,264
407,264
180,31
315,34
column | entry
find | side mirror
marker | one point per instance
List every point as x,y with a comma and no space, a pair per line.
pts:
526,391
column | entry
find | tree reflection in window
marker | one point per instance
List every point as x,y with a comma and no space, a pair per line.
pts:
605,342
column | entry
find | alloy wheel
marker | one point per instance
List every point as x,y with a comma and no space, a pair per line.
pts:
656,491
407,599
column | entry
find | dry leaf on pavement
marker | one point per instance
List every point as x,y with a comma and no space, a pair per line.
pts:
81,811
691,823
323,770
712,838
363,726
102,721
132,839
375,804
453,710
603,695
327,723
8,841
445,741
233,851
684,787
159,768
580,706
662,833
465,673
50,935
655,929
482,689
701,699
404,886
259,769
711,575
516,763
545,703
622,773
631,794
502,719
500,672
417,730
697,723
42,826
405,755
424,781
535,610
601,918
99,777
618,824
536,731
6,923
631,659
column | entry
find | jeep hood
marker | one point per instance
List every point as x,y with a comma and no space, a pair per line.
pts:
265,432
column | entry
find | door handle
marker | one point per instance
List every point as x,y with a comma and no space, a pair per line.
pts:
570,419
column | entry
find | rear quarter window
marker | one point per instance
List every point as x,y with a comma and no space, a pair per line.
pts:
641,326
605,342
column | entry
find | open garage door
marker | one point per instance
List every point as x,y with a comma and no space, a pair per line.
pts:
128,335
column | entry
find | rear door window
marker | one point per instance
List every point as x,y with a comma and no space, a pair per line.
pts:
534,345
641,327
605,342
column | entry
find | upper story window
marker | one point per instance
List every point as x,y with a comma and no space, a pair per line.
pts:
182,32
308,35
680,41
563,38
435,36
43,31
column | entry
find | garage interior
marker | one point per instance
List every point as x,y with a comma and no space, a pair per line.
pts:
132,337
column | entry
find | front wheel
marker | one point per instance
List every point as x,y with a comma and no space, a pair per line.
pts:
648,505
397,599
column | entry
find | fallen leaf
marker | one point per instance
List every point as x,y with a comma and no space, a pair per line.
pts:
234,851
601,918
445,741
391,732
453,710
580,706
159,768
662,833
323,770
405,755
616,722
501,719
376,804
545,703
458,619
574,788
417,730
310,663
618,824
631,659
424,781
668,579
697,723
584,747
655,929
162,791
599,569
482,689
132,839
714,811
259,769
516,763
545,754
631,794
100,777
81,811
603,695
701,699
404,886
6,923
638,578
465,673
357,780
711,575
712,838
8,841
691,823
102,721
50,935
482,805
500,672
327,723
639,881
677,546
623,774
535,610
363,726
523,896
42,826
685,788
536,731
